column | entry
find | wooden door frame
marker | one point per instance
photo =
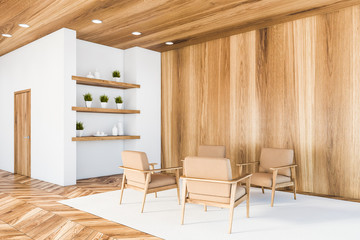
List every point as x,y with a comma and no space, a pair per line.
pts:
29,119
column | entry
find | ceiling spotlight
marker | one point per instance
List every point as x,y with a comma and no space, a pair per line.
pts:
97,21
24,25
6,35
169,43
136,33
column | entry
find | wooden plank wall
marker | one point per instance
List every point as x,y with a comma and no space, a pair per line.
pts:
293,85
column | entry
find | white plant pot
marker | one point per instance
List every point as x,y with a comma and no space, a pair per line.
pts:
117,79
79,133
88,104
119,105
104,104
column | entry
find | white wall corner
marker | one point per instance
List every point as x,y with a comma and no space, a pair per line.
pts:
143,67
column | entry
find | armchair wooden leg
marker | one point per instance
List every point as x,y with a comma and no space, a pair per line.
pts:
232,203
178,184
156,195
122,187
262,189
205,208
293,174
183,199
273,188
248,198
145,191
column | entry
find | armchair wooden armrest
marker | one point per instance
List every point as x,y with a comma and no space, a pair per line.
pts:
166,169
236,180
152,164
246,164
150,171
282,167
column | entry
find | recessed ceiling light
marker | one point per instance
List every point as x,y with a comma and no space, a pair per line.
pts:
97,21
169,43
6,35
24,25
136,33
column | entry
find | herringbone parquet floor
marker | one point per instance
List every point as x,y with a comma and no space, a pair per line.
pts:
29,210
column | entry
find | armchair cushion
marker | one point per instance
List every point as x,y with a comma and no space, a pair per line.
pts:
157,180
208,168
266,179
276,157
240,191
211,151
137,160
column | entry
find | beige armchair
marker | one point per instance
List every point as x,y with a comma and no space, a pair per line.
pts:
140,175
276,170
208,181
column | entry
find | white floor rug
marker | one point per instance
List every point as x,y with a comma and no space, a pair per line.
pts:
306,218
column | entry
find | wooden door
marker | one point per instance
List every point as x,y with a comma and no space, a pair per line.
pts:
22,132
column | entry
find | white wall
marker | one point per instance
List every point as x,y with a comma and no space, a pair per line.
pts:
101,158
143,67
44,66
98,158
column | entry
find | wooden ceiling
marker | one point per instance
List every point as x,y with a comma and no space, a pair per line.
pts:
184,22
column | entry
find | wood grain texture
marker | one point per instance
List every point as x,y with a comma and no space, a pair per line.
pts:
184,22
103,83
91,138
292,85
29,209
105,110
22,132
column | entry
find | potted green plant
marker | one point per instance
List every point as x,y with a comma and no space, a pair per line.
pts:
88,99
116,75
104,100
119,102
79,129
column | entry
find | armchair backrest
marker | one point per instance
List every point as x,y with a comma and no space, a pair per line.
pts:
137,160
208,168
276,157
211,151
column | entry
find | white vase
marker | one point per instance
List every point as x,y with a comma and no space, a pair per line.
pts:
120,128
97,74
119,105
90,75
88,104
79,133
114,131
116,79
104,104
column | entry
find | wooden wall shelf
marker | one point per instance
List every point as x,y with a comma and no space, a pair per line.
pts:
90,138
103,83
105,110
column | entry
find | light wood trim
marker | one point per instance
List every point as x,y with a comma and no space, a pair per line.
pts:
124,137
147,181
103,83
177,178
152,170
293,177
235,180
282,185
183,200
232,202
283,167
23,168
246,164
275,172
159,189
122,186
105,110
23,91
